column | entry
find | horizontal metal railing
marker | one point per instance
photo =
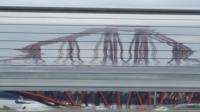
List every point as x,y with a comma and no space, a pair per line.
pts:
100,10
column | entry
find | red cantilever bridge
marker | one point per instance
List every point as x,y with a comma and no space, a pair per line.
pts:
142,46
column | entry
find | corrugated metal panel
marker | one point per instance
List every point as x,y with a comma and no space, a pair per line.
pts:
82,51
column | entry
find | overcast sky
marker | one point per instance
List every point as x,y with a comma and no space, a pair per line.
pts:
190,4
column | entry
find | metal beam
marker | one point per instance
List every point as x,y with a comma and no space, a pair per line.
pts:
98,85
100,10
74,78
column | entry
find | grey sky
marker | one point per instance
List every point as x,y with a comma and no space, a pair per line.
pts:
189,4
